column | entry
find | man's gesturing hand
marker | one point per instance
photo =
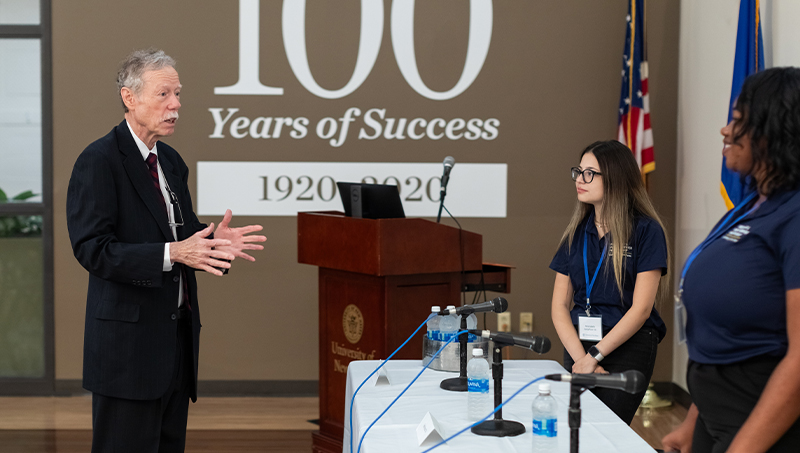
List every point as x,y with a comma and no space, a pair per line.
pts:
198,252
238,237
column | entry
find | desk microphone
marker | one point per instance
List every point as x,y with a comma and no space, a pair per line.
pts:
631,381
538,344
497,305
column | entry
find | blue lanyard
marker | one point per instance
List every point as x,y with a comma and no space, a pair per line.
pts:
590,284
716,234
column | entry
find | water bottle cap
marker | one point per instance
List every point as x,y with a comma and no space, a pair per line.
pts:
451,307
435,309
544,388
477,352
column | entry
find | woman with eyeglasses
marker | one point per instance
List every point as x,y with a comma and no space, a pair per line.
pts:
609,265
741,286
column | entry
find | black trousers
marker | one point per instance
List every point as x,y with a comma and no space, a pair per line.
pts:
150,426
638,353
725,395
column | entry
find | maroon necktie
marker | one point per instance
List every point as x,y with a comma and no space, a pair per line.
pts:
152,165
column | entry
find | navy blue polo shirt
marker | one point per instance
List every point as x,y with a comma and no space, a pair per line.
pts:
646,251
735,290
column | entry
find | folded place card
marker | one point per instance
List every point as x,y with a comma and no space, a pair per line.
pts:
383,378
428,431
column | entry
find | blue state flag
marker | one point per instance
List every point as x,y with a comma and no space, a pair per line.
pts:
749,59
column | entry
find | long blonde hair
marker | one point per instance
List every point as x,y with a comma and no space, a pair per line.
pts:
624,197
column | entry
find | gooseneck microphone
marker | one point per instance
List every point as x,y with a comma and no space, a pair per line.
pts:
497,305
631,381
537,344
448,163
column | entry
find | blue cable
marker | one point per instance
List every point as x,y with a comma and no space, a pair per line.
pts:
490,414
352,400
425,367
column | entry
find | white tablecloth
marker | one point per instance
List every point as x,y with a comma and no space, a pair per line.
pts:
601,430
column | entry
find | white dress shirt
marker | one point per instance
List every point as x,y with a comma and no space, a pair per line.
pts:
167,266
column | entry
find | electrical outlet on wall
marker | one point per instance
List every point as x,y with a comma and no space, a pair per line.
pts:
526,322
504,322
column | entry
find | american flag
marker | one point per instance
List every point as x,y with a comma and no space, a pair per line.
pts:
634,102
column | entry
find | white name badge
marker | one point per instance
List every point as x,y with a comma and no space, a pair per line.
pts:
590,328
680,319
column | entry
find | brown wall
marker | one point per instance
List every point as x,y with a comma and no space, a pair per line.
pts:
552,78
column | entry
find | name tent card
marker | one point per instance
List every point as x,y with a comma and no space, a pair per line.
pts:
428,431
383,378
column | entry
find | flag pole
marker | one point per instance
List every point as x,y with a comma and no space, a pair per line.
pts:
647,70
644,29
758,25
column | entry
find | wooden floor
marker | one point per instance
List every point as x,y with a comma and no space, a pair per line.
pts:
653,424
75,413
205,441
230,425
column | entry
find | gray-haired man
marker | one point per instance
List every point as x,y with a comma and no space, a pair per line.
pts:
132,226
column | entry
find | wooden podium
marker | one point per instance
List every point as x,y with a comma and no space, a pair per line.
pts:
377,282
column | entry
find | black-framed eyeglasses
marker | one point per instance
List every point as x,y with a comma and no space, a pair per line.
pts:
176,207
588,175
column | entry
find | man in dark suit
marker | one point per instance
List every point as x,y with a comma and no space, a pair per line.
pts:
132,226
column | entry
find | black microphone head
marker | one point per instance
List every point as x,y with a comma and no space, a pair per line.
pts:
634,381
543,346
500,305
449,161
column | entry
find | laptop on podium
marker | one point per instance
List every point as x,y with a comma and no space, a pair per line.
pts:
371,201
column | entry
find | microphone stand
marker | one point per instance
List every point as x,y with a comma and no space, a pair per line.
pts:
442,194
459,384
498,427
574,415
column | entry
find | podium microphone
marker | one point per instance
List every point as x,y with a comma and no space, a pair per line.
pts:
448,163
538,344
631,381
497,305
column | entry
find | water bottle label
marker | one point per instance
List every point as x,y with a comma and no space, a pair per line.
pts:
478,385
547,428
472,338
433,334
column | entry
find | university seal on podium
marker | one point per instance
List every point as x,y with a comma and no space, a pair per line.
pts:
352,323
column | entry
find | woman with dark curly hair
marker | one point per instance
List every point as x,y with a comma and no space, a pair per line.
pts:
741,287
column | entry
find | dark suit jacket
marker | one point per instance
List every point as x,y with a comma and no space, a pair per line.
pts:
118,228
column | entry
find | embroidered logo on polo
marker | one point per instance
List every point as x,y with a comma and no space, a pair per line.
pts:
737,233
628,250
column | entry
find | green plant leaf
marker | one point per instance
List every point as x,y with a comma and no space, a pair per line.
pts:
3,197
24,195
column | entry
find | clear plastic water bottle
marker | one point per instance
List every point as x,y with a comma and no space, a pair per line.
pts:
433,324
545,421
448,325
479,401
432,335
472,324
